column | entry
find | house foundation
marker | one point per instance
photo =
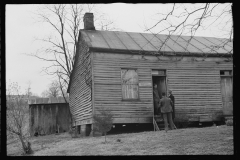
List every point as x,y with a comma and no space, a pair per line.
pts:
85,130
95,133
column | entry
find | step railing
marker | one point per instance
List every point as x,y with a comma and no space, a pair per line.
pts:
155,125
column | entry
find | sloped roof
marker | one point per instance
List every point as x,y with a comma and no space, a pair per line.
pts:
114,40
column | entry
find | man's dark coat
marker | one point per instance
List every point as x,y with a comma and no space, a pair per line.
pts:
173,106
166,105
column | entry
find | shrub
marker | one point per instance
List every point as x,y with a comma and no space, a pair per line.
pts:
218,116
229,122
103,122
73,132
17,116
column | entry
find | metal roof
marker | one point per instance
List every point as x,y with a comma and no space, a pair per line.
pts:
115,40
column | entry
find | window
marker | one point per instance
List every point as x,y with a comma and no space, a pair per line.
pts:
129,79
225,73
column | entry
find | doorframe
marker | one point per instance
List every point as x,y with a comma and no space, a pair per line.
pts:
166,78
166,83
225,76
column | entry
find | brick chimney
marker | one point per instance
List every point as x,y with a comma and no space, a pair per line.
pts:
88,21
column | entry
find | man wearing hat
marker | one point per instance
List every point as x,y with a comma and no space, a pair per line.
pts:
170,95
166,110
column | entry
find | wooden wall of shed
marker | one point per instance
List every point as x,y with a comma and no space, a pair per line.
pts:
80,100
195,83
44,118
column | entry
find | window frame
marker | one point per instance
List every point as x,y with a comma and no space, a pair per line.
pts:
164,70
224,75
130,99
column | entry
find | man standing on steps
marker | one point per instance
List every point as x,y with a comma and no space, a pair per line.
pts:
166,110
156,99
173,100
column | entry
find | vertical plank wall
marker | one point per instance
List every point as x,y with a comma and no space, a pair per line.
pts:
44,118
80,101
195,85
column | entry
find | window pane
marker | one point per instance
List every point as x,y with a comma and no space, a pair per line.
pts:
129,80
130,91
129,76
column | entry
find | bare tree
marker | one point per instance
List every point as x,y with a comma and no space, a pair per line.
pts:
44,94
61,44
17,117
28,90
188,19
62,88
54,89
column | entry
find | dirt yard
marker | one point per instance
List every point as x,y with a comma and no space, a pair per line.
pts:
217,140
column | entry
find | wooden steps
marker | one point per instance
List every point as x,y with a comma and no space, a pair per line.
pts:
158,123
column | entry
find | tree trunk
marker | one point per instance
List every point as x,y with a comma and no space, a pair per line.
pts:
26,146
23,143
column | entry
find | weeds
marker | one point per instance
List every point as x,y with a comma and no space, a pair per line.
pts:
229,122
181,120
73,132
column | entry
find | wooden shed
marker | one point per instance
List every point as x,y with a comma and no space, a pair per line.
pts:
50,117
116,70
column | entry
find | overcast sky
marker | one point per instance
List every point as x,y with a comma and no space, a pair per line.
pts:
22,29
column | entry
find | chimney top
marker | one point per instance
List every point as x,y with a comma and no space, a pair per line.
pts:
88,21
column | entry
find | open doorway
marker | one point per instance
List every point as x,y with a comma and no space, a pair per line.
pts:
159,78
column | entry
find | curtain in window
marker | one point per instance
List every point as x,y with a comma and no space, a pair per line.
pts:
129,83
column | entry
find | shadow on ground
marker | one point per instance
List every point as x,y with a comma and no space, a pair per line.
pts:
136,128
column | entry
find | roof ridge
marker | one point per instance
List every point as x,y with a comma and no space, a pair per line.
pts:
151,33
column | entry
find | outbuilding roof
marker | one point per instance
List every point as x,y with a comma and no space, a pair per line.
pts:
137,42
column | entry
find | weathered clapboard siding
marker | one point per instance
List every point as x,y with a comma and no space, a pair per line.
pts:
195,83
201,90
108,92
80,90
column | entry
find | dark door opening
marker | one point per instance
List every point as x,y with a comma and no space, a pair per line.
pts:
160,80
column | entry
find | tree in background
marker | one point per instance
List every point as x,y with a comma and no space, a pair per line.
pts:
28,90
61,43
188,19
44,94
103,122
17,117
54,89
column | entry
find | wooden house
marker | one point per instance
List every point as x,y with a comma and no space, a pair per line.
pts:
116,70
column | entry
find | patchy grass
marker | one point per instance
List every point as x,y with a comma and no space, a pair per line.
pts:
191,141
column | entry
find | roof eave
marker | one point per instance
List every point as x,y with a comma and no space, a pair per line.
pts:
162,53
